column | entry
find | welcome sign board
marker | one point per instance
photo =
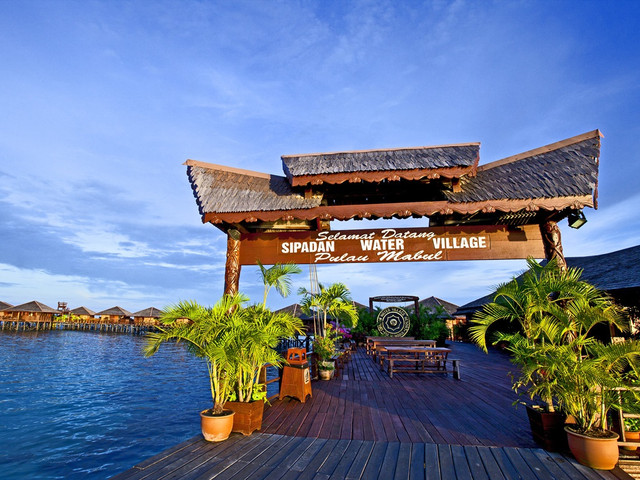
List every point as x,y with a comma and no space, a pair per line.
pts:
393,245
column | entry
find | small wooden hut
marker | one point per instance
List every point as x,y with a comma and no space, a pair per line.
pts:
148,316
33,311
3,307
84,314
115,315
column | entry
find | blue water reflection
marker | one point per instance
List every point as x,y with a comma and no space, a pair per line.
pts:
88,405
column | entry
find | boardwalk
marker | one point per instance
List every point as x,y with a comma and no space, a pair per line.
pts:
366,425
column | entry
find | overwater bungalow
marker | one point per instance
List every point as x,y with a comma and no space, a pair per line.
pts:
148,316
3,307
33,311
115,315
84,314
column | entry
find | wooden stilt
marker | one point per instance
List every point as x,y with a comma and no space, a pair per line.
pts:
232,267
552,241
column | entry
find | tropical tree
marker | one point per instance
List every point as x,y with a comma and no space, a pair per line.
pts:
547,312
278,276
257,334
548,304
332,301
208,333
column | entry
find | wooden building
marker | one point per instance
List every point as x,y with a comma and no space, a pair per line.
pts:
3,307
115,315
148,316
505,209
33,311
84,315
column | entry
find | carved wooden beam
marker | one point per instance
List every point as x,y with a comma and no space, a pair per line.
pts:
232,267
552,241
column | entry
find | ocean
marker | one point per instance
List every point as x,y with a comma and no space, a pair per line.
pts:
79,405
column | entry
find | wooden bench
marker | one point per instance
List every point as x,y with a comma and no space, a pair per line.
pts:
401,359
370,339
381,344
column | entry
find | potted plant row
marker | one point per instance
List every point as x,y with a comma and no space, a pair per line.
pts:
546,318
235,341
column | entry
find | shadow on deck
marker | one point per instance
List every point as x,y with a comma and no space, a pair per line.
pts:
364,425
365,404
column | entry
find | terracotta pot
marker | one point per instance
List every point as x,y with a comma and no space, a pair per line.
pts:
547,429
216,428
248,416
598,453
325,374
632,437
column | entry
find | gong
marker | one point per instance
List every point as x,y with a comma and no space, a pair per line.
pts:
393,322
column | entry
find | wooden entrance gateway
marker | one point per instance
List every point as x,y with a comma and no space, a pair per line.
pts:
506,209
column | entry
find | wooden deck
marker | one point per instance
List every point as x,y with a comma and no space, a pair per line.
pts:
365,404
366,425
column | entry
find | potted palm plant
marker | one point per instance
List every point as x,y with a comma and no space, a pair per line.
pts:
631,432
325,350
588,374
544,309
206,334
257,334
333,301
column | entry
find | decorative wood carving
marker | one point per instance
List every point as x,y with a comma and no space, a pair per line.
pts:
379,176
388,210
232,267
552,241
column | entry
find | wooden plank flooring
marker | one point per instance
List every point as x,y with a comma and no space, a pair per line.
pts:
365,404
364,425
271,456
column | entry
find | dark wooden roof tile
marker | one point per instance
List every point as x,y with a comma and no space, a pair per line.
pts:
418,158
569,169
224,190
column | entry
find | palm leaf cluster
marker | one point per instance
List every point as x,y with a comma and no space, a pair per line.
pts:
547,320
235,341
331,302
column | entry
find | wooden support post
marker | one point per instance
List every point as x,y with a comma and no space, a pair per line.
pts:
232,267
552,241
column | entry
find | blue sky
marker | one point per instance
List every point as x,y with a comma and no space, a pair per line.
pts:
102,101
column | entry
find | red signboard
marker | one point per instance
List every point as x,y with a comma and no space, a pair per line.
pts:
393,245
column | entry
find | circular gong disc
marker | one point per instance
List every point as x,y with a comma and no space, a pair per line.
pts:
393,322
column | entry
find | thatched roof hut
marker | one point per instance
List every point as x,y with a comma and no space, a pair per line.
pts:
85,314
115,315
3,307
33,311
148,316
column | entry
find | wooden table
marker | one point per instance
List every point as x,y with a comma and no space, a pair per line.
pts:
414,359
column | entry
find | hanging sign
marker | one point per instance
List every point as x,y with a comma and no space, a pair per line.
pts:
392,245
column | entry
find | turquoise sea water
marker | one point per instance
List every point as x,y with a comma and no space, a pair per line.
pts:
88,405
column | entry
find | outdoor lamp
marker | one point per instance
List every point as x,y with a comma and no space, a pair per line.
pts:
576,219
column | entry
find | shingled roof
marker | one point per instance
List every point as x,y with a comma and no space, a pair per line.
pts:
228,190
377,165
83,311
33,307
609,272
526,188
5,305
151,312
115,311
434,302
563,169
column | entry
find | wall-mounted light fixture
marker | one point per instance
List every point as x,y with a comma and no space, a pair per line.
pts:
576,219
